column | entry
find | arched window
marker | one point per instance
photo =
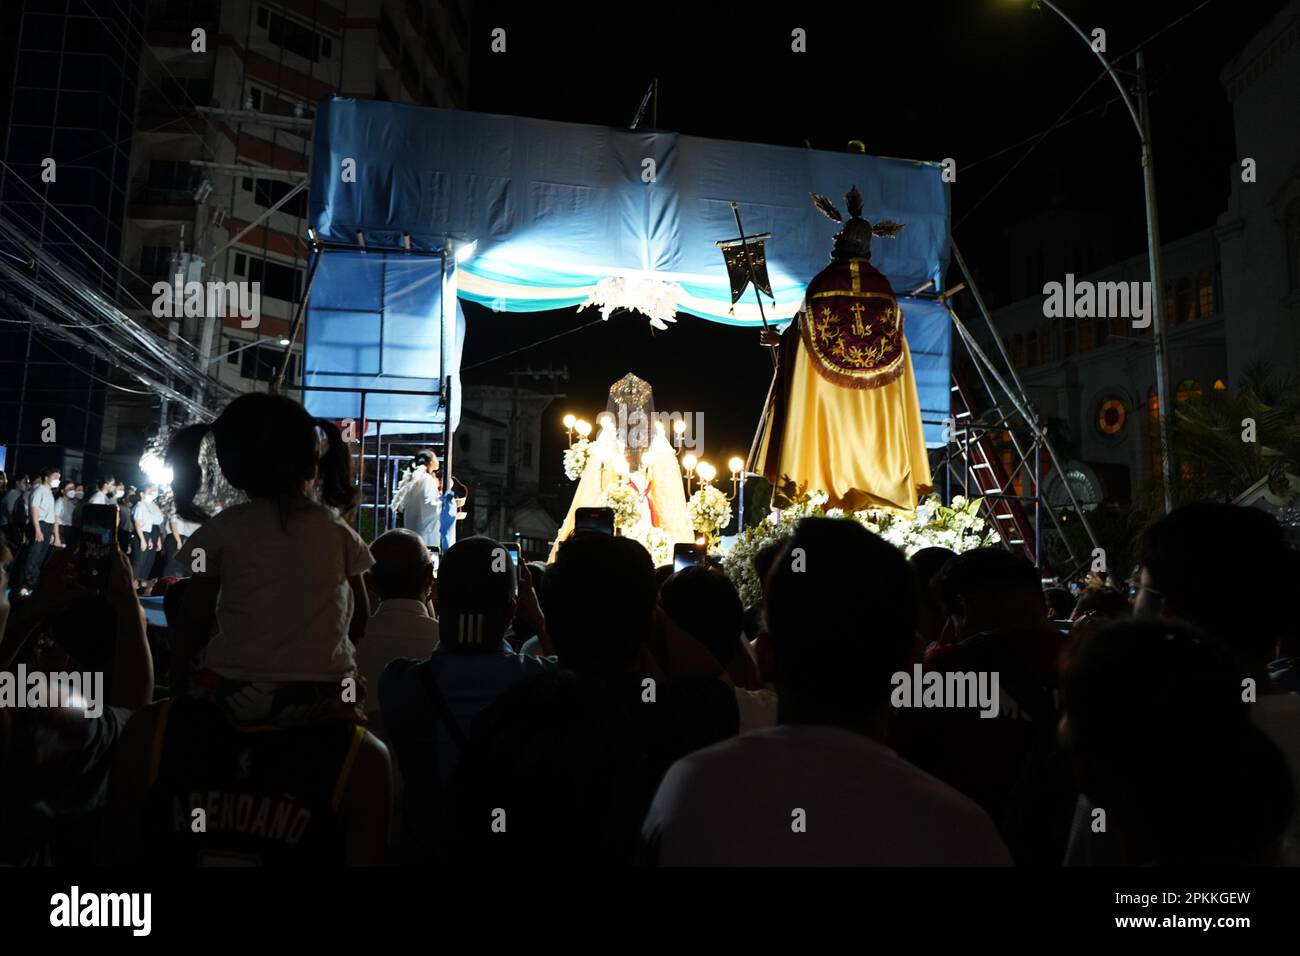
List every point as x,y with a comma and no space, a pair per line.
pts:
1205,294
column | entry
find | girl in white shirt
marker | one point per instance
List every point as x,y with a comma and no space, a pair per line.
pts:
281,574
146,542
65,506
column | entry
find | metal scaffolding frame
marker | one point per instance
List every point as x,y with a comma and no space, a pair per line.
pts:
968,451
382,458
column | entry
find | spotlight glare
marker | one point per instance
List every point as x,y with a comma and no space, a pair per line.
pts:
155,469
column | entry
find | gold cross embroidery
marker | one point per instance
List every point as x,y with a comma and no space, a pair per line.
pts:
857,309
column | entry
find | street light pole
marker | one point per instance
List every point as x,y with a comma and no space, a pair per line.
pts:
1157,284
1141,116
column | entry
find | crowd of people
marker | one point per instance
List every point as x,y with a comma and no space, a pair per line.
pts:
41,515
314,699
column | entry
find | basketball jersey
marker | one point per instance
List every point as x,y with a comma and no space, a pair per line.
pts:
220,795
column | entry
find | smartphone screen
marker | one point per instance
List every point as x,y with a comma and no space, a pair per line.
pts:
96,544
685,555
513,550
594,519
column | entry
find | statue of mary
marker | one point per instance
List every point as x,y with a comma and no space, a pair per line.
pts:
631,456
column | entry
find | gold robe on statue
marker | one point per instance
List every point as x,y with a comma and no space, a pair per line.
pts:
843,415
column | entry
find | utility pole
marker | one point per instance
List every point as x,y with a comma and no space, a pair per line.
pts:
1141,116
1158,317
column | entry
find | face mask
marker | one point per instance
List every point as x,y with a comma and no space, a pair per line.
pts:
118,494
148,498
54,482
75,494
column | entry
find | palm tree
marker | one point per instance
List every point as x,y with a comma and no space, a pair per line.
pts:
1211,436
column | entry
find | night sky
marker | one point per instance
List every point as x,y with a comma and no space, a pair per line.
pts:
922,80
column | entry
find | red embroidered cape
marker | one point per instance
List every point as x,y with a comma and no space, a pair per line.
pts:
852,326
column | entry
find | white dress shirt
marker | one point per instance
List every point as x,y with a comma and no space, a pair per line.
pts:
148,514
399,628
43,502
66,509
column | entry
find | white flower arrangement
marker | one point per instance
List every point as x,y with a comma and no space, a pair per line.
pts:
576,458
957,527
709,510
655,540
625,503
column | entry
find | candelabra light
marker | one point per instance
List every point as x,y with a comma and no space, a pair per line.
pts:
737,466
569,422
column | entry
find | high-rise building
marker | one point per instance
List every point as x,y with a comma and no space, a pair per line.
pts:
151,138
228,93
67,96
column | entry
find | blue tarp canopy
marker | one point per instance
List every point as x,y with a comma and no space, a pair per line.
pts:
546,214
375,320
